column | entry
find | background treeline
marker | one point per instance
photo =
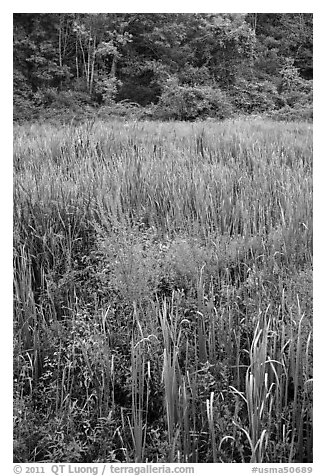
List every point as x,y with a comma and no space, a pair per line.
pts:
163,66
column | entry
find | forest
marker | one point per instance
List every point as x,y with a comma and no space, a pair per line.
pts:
163,66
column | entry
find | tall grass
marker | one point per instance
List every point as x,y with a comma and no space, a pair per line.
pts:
162,292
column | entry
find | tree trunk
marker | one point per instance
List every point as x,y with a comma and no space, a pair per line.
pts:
89,56
114,66
93,66
83,53
60,46
77,67
255,22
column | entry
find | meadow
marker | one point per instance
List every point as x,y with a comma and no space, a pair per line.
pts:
163,292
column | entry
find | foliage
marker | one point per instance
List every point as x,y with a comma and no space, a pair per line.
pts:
255,97
163,292
189,102
217,63
108,89
295,91
282,36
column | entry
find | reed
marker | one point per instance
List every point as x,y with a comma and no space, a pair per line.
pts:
162,292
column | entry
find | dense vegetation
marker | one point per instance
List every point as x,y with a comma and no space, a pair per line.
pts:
162,273
162,66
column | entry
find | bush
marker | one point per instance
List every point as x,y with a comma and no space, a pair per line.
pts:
107,89
71,99
182,102
125,110
287,113
24,107
296,91
55,107
254,97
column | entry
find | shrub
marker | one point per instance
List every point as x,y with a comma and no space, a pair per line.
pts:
183,102
70,99
294,89
298,113
24,106
254,97
125,109
107,88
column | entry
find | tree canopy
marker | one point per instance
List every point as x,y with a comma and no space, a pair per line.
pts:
177,65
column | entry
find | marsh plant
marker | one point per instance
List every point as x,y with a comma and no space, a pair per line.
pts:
163,292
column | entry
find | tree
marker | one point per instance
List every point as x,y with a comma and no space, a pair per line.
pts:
71,60
281,36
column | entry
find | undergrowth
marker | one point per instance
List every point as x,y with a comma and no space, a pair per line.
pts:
163,292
